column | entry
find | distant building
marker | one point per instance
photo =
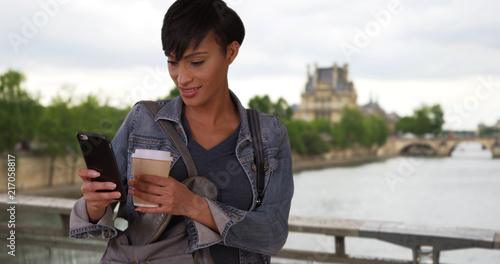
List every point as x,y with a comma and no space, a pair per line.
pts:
327,92
373,108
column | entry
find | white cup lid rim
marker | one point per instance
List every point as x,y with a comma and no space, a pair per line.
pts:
152,154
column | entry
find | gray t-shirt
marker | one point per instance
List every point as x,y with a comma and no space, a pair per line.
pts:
221,166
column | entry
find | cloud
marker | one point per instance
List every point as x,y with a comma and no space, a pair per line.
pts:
436,44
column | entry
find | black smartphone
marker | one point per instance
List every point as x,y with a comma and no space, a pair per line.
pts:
99,156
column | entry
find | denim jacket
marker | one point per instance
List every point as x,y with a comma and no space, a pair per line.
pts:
259,232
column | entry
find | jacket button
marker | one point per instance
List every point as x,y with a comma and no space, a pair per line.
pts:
254,167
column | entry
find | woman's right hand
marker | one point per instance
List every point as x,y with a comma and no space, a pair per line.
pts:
97,202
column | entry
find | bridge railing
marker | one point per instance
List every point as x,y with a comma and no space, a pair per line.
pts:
425,242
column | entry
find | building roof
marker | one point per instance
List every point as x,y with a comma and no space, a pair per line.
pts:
372,108
326,75
309,84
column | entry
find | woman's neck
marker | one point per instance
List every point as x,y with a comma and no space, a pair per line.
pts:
217,111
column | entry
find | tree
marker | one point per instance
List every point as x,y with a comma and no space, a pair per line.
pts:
295,129
351,123
281,109
489,132
174,93
339,135
262,104
424,120
19,112
406,124
314,144
375,131
57,132
437,119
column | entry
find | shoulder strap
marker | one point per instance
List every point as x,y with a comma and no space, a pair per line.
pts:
253,121
170,130
153,225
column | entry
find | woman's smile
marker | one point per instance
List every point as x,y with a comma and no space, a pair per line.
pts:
189,91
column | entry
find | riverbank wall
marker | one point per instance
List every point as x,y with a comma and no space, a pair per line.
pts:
32,172
348,157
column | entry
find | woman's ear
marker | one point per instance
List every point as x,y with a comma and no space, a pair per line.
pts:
232,51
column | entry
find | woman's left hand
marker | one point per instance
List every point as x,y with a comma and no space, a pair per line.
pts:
172,196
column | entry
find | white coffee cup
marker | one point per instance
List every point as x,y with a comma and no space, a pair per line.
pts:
152,162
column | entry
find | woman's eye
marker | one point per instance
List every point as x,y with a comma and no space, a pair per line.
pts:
197,63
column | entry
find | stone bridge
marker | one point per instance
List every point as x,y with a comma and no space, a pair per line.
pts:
438,146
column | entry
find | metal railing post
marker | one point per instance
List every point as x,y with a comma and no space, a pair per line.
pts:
340,246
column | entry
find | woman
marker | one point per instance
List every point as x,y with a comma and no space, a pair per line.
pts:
201,38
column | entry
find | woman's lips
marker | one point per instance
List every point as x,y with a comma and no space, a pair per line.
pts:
189,91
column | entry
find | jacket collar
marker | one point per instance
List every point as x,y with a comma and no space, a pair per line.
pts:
172,111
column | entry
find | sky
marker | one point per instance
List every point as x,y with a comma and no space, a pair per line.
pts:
401,53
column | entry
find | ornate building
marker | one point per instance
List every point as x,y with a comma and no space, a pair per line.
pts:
328,91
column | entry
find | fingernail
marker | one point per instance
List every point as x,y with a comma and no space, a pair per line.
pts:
111,185
117,195
95,173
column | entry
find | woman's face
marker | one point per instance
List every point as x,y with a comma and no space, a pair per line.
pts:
201,73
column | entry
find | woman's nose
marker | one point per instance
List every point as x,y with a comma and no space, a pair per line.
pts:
184,76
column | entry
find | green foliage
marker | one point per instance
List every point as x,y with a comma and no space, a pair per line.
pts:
352,124
406,124
355,128
339,135
489,132
295,129
319,136
437,119
375,131
19,112
53,127
314,144
280,109
56,128
262,104
174,93
424,120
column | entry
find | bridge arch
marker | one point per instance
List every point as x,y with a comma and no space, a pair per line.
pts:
418,149
439,146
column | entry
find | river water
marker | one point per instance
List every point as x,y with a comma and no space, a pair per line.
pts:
458,191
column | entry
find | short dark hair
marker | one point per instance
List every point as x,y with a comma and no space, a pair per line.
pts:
188,21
